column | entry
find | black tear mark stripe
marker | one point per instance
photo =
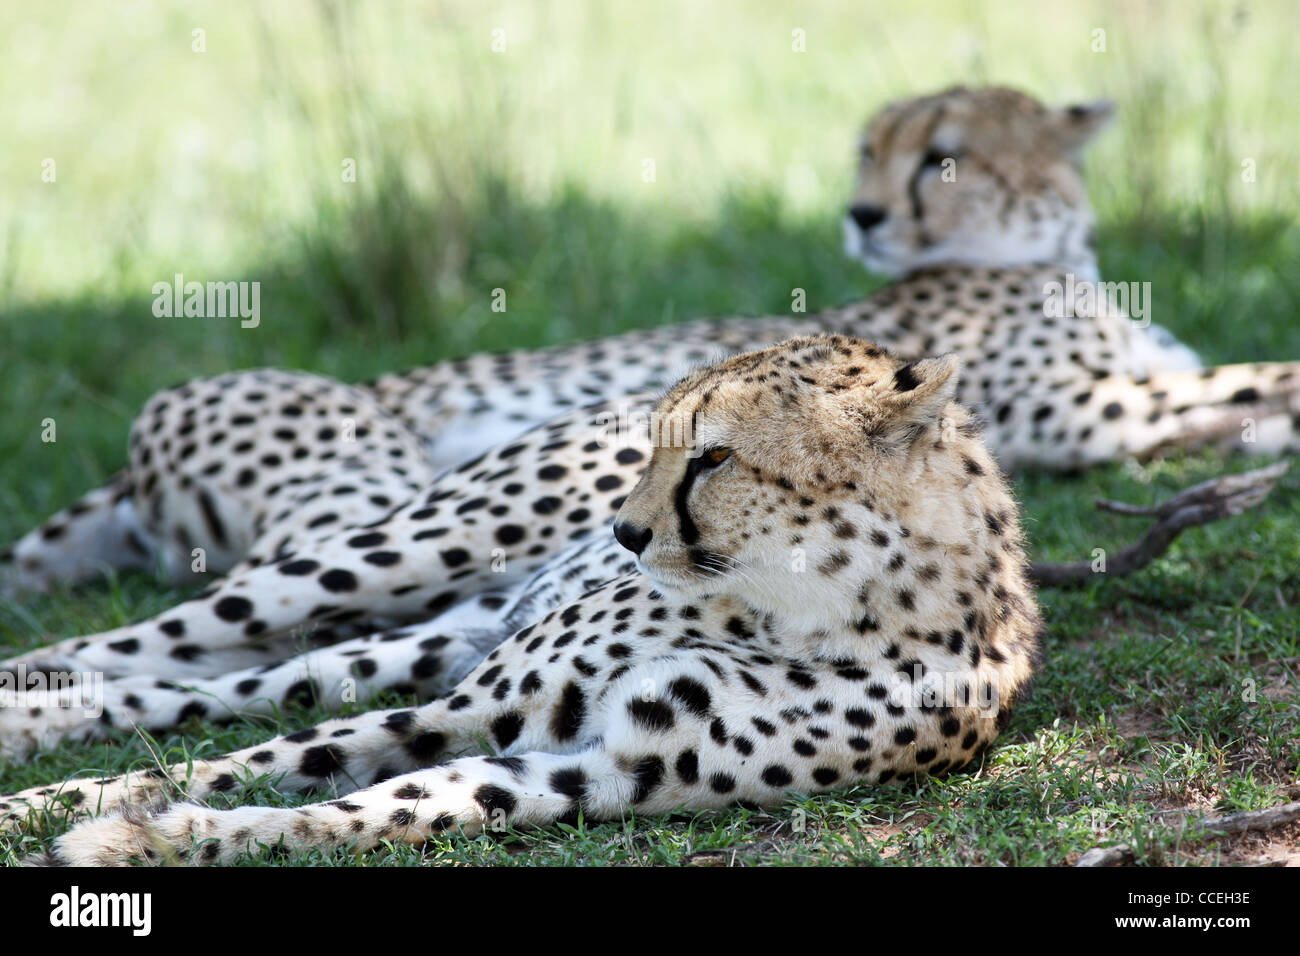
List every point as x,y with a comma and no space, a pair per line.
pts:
685,523
914,183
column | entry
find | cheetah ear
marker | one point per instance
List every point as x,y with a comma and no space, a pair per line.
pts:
1075,126
921,390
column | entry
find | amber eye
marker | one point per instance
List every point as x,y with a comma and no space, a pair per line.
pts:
716,456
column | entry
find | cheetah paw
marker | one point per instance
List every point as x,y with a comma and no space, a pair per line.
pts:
127,837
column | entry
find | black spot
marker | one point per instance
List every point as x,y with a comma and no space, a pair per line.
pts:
648,774
193,709
322,761
688,766
364,668
516,766
530,684
454,557
338,579
506,728
233,608
718,731
427,747
569,713
651,714
693,694
859,718
425,666
399,721
774,775
547,505
494,799
509,534
302,693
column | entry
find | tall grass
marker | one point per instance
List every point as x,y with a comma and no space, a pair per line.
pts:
221,161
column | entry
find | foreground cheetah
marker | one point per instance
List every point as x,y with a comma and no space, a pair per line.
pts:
829,588
250,466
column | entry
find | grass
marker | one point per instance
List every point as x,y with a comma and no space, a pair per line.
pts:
1165,695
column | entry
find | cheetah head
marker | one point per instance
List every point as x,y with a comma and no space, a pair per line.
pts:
982,177
790,476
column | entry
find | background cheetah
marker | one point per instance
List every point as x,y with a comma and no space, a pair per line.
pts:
712,673
254,465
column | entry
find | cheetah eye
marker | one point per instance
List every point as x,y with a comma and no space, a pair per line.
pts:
866,153
935,156
932,157
714,457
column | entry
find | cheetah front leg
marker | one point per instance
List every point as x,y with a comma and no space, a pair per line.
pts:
542,703
487,524
426,660
342,755
470,794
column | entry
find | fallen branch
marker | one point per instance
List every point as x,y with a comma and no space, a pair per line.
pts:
1201,504
1251,820
1255,819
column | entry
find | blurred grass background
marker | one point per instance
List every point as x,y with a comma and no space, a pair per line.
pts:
522,169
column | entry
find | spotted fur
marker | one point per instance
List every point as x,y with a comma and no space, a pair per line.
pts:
830,589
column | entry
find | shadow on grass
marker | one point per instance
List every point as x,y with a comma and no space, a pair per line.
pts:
389,280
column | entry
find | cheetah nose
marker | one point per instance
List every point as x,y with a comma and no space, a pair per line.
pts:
867,215
634,539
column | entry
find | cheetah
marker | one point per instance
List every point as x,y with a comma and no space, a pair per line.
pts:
994,263
829,588
357,551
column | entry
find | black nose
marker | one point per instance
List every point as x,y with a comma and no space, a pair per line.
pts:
634,539
867,215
